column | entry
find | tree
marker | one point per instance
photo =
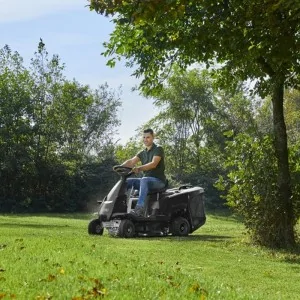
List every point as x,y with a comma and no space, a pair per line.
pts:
15,128
101,119
257,40
187,104
191,124
51,131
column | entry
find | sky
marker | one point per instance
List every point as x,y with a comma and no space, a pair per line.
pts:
76,34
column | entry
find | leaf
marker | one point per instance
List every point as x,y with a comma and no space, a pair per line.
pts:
61,271
51,277
195,287
98,289
111,62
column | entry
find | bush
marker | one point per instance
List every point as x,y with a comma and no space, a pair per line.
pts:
251,187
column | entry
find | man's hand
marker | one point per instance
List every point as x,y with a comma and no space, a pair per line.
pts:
136,170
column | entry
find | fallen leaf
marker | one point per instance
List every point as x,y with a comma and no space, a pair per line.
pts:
51,277
98,289
195,287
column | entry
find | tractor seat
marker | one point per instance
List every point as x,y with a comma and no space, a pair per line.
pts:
157,191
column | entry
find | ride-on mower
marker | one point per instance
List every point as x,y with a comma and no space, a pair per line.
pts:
177,211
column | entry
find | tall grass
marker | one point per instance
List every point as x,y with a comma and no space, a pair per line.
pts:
53,257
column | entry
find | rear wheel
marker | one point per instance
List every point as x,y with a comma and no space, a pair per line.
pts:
126,229
95,227
181,227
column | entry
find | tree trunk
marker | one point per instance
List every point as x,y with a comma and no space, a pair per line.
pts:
286,223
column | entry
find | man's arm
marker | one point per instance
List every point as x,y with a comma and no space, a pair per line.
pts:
130,163
149,166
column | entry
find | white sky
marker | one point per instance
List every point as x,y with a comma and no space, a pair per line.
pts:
71,30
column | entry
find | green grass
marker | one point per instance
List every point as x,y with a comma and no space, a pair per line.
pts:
53,257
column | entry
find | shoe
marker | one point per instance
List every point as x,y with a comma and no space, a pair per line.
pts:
138,211
155,212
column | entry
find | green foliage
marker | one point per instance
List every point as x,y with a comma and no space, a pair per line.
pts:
294,151
251,187
292,115
122,153
193,118
248,39
48,128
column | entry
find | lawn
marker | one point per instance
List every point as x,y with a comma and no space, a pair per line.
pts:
53,257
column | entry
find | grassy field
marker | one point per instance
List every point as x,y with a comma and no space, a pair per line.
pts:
53,257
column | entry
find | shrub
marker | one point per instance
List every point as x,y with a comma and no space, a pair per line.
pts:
251,187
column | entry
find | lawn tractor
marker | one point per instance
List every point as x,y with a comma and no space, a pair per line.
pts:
177,211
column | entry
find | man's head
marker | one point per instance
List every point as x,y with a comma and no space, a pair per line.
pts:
148,137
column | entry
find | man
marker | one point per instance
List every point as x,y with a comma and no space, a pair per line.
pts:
153,167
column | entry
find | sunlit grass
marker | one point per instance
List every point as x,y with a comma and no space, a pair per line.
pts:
53,257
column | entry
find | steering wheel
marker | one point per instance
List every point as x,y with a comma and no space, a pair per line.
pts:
123,171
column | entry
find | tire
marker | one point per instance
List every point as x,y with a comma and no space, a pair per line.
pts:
126,229
95,227
180,227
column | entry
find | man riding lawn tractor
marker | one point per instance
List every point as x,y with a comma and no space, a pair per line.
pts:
156,210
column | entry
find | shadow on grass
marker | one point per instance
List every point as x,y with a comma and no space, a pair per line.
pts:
190,238
75,216
292,256
293,260
31,225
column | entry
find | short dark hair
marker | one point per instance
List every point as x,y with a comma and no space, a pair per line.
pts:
149,130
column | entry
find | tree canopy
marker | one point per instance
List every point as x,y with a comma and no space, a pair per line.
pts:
249,39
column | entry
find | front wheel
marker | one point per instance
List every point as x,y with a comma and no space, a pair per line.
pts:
126,229
95,227
181,227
